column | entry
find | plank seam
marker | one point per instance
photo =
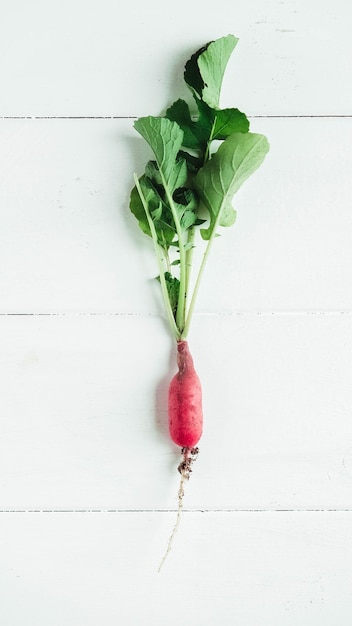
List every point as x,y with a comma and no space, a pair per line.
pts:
317,313
134,117
188,511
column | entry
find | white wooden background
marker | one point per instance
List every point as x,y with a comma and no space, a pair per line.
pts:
88,478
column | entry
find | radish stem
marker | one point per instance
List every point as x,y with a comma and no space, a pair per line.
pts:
158,252
196,287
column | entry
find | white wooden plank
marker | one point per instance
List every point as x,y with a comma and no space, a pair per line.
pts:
83,413
259,568
92,58
69,243
66,238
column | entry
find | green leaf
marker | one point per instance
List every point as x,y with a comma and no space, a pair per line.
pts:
186,203
217,182
192,73
228,122
160,214
205,70
173,289
193,162
179,112
152,172
219,123
136,205
186,197
211,124
212,64
166,174
177,179
165,139
187,220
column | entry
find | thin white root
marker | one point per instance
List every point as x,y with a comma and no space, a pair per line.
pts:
181,493
188,456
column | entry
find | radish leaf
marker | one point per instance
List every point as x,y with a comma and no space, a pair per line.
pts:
173,289
236,159
229,121
211,123
159,213
165,139
205,69
179,112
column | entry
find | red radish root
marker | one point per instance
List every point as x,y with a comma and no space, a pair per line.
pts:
185,401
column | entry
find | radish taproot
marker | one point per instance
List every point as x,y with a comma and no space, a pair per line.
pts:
185,401
200,161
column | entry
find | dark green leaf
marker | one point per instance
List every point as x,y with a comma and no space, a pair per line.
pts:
179,112
186,197
220,123
192,73
152,172
173,289
229,121
193,162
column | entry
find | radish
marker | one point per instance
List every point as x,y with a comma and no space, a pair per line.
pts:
185,401
199,162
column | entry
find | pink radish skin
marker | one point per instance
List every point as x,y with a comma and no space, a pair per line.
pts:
185,401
